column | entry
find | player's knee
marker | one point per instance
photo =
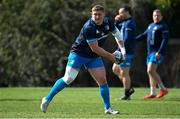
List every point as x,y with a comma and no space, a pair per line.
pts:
101,81
124,73
115,69
68,80
150,71
70,75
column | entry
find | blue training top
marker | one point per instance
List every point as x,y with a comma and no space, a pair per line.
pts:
157,35
127,29
91,32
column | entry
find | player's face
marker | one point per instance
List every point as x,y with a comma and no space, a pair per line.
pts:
122,13
157,17
97,17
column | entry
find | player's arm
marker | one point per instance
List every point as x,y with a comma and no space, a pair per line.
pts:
119,40
142,36
165,37
100,51
118,37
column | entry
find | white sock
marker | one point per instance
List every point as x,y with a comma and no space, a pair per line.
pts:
161,86
153,90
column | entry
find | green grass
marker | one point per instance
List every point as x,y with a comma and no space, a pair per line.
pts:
85,103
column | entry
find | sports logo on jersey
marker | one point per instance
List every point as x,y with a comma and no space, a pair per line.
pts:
100,32
97,31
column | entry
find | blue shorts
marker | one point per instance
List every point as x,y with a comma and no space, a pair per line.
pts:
152,59
127,62
77,61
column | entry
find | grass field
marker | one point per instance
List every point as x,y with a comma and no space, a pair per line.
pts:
85,103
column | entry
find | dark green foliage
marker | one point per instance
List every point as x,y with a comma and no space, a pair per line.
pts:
36,35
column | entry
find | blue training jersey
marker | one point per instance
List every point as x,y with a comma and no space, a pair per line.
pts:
127,30
91,32
157,35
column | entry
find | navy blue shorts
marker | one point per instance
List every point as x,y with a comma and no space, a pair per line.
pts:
127,62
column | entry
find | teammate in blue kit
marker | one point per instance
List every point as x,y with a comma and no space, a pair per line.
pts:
127,26
86,51
157,35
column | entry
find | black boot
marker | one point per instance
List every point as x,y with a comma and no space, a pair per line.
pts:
127,94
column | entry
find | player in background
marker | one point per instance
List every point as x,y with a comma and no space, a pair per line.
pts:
87,51
157,35
127,27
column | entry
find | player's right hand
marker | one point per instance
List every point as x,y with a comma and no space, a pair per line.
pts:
118,17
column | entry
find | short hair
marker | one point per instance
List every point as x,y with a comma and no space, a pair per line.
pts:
97,8
127,9
157,10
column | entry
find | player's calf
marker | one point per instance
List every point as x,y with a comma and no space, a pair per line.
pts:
128,93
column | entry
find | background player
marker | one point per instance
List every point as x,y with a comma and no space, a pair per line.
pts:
157,35
127,26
